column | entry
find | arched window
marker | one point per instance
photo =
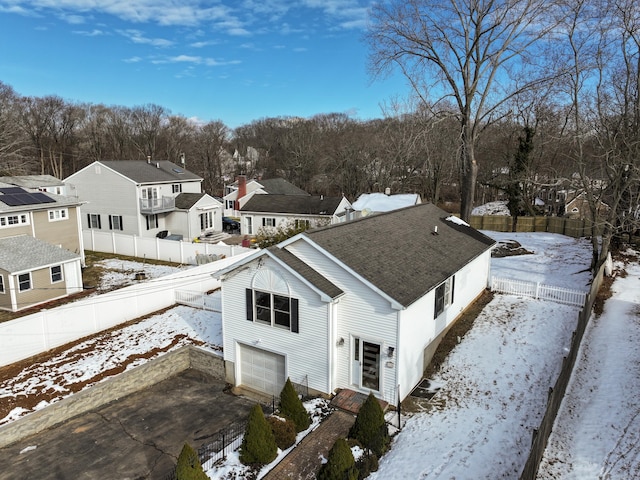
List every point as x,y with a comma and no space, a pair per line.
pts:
269,301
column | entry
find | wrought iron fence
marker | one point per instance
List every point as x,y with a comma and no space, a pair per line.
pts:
226,441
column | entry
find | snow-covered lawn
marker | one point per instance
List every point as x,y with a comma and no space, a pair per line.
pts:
493,385
597,431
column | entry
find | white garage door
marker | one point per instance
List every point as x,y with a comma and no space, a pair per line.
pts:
261,370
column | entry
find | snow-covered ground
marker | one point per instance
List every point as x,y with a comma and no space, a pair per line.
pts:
597,431
493,385
492,208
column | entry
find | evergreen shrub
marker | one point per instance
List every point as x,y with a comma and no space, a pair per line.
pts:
340,463
370,428
291,407
258,445
284,431
188,466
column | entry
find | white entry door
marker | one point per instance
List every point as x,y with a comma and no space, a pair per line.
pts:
262,370
366,364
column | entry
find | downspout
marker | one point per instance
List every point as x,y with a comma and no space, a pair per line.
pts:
397,355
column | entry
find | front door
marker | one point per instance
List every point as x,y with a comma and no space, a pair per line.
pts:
366,364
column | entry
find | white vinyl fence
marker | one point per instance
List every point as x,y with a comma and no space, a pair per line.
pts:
538,290
32,334
158,248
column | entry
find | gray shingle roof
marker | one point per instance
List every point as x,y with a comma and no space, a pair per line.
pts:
33,181
140,171
300,204
305,271
398,251
23,253
184,201
279,186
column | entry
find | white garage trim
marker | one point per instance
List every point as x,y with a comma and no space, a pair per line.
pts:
261,370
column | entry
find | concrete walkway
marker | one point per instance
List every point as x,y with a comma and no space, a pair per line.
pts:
304,461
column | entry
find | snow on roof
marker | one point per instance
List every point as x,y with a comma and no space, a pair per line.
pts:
491,208
459,221
379,202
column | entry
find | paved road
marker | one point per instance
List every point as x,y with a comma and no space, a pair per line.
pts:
136,438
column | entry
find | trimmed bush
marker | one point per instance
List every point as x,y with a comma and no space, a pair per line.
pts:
292,408
284,431
258,445
366,464
188,467
340,463
370,428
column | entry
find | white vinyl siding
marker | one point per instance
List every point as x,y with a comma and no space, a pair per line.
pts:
361,313
312,337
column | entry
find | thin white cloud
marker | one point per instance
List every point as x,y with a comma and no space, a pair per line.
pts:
195,60
133,60
93,33
136,36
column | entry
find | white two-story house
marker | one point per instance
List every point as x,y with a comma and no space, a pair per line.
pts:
144,198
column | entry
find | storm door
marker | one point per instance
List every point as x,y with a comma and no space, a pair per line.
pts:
366,364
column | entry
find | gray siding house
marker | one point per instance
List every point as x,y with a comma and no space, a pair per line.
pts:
144,198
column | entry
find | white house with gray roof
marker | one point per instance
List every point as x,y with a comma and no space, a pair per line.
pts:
144,198
360,305
41,249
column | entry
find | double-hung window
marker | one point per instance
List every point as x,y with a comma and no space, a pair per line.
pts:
444,296
56,273
24,282
93,220
115,222
272,309
269,222
176,188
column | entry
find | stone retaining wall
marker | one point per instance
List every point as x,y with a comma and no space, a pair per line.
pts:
112,389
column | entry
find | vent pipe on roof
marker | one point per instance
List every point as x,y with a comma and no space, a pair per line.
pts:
157,164
387,191
182,159
435,230
149,159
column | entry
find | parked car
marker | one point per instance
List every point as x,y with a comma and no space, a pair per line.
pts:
230,225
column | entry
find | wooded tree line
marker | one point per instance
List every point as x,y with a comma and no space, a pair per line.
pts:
506,96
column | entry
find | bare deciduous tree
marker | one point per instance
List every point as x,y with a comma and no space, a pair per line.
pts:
465,52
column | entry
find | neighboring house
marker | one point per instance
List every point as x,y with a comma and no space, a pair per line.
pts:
577,207
359,305
43,183
238,193
273,211
41,251
141,198
368,203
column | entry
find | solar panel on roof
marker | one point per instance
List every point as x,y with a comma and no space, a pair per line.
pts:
24,198
12,190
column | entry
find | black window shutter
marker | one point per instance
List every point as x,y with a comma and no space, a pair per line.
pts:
249,304
110,223
294,316
147,219
121,226
453,284
99,222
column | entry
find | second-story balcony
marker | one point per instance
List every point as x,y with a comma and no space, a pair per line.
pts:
150,206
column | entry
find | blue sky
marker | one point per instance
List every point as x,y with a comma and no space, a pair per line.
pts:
234,61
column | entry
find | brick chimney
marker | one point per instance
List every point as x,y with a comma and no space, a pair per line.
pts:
242,189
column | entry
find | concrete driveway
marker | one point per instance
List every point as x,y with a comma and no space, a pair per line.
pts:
138,437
